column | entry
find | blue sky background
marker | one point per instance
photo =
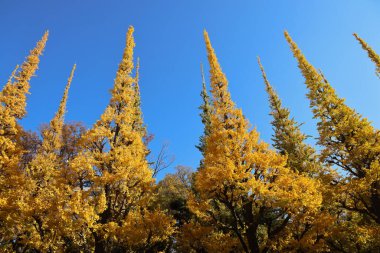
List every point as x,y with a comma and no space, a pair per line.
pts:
170,45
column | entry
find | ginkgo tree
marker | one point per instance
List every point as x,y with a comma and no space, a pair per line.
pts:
312,231
12,176
123,178
351,143
244,190
72,189
48,198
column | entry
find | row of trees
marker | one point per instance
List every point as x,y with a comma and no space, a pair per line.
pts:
71,189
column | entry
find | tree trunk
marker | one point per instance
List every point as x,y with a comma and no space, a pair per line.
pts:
253,243
100,244
252,224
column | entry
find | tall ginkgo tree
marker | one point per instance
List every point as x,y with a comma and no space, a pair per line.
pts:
351,143
123,177
244,190
12,176
47,209
311,231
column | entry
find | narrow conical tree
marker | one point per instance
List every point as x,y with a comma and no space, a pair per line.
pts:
13,102
205,114
288,138
53,134
349,141
242,181
301,158
125,180
375,58
47,201
12,108
13,96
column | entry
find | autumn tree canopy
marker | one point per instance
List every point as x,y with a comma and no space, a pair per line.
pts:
68,188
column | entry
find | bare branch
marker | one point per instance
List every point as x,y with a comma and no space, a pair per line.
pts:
163,160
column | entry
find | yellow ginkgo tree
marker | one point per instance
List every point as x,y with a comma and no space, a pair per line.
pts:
244,191
12,176
123,178
47,209
312,230
352,144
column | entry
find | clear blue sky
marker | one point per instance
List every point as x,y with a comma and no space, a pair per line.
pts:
170,45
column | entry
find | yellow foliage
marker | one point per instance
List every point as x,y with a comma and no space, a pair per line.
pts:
375,58
196,238
119,153
349,141
94,191
241,179
12,108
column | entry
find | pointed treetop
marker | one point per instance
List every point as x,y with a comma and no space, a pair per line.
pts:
62,106
52,135
375,58
123,114
306,68
275,102
319,88
354,139
123,75
30,66
288,138
217,76
13,96
224,114
274,99
130,41
218,81
127,62
122,100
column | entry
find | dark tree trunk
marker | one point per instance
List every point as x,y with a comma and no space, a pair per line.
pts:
375,199
100,244
253,243
251,232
